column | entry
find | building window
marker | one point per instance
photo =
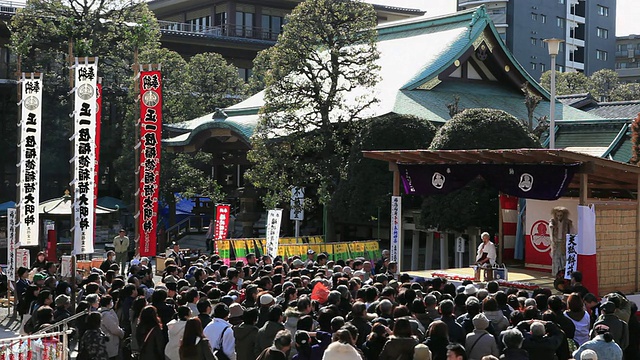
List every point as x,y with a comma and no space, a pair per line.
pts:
533,41
200,24
602,33
271,26
543,18
621,47
244,24
533,66
542,67
244,74
560,22
561,2
602,55
603,10
534,16
560,68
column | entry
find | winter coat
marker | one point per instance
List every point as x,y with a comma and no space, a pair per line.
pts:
372,348
456,332
398,348
605,350
266,334
438,347
203,351
111,327
153,347
272,353
92,346
480,343
541,347
498,320
245,341
515,354
340,351
291,324
618,329
176,330
205,319
364,329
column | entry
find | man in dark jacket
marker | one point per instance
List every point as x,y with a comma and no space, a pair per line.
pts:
268,331
512,340
359,313
456,333
618,329
204,312
246,335
281,346
541,339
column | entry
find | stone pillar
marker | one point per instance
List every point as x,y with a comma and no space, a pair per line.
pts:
415,249
428,254
444,251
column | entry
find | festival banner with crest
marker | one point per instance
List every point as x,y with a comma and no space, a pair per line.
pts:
29,177
84,157
149,177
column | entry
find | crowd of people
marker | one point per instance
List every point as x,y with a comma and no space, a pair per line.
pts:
313,308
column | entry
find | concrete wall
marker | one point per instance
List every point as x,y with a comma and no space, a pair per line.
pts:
616,247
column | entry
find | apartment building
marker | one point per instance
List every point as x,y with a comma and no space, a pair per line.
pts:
587,28
628,58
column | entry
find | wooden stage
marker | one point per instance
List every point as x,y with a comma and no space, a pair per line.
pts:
515,274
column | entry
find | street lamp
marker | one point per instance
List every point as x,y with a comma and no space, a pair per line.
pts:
554,47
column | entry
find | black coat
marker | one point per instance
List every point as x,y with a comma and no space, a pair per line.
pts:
153,347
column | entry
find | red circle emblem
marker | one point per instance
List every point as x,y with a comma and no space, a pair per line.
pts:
540,236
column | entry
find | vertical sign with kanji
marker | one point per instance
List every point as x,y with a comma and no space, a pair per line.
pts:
11,244
29,185
572,256
222,221
273,231
396,229
23,259
149,177
98,128
297,204
84,164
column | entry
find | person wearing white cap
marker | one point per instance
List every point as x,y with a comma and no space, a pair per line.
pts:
479,342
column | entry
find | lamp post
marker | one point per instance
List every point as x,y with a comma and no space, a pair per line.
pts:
554,46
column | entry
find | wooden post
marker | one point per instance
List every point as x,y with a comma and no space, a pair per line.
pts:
415,249
584,188
637,276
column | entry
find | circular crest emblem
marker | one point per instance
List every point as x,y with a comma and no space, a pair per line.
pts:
540,236
85,91
31,103
526,182
150,98
438,180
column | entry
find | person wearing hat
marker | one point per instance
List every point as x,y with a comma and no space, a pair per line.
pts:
106,264
479,342
602,344
235,314
311,258
121,248
61,312
266,300
38,279
618,329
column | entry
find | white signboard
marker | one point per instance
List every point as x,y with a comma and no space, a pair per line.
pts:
460,244
572,256
273,231
297,203
396,229
23,259
29,185
86,76
65,266
11,244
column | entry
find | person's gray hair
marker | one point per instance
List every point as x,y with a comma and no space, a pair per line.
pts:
92,298
470,300
512,339
385,306
530,302
483,235
282,339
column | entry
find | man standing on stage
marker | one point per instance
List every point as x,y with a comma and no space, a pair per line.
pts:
121,247
560,226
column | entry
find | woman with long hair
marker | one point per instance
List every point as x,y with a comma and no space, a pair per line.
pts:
342,347
149,334
176,330
134,315
580,318
194,345
438,339
400,345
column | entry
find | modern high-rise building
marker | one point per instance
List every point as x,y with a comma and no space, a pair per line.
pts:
586,27
628,58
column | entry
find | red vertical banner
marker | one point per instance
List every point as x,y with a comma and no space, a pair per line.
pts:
223,212
98,125
149,176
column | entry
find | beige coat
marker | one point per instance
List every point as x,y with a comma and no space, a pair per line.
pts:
121,246
110,326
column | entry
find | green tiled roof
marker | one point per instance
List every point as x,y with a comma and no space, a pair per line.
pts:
624,151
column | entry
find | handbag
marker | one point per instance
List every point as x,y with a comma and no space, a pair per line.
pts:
217,351
205,349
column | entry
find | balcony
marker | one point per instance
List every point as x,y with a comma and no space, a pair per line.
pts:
471,3
229,31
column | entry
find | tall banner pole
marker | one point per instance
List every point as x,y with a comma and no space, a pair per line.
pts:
395,251
84,155
149,150
136,152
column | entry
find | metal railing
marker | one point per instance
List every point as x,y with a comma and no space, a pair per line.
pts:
183,227
15,347
226,30
62,323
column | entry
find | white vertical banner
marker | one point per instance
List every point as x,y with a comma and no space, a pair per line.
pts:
29,178
11,244
273,231
571,265
23,259
84,157
297,204
395,252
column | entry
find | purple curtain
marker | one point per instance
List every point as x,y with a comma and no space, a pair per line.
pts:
540,181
